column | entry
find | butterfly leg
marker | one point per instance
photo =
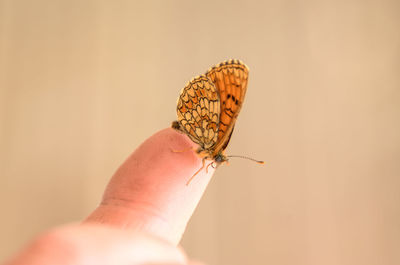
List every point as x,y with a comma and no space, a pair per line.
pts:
203,163
211,164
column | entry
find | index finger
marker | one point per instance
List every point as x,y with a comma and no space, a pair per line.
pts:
149,192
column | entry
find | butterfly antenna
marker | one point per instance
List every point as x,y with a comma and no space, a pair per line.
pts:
248,158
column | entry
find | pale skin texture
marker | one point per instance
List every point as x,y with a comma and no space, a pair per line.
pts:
142,215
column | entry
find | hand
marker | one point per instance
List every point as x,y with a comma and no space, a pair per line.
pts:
142,216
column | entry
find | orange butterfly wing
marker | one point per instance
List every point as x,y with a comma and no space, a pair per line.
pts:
230,79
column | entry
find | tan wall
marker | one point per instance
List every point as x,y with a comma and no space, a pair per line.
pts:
82,83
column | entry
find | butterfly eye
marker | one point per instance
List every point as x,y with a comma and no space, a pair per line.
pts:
218,159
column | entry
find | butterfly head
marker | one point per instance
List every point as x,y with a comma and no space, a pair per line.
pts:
220,158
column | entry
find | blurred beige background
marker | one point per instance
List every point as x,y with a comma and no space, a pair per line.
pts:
83,83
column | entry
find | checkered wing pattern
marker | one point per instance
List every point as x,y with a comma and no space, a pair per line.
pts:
198,111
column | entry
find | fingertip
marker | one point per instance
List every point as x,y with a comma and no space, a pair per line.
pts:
149,192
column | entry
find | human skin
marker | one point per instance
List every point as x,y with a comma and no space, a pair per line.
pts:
142,215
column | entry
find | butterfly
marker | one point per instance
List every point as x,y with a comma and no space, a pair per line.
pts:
208,107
